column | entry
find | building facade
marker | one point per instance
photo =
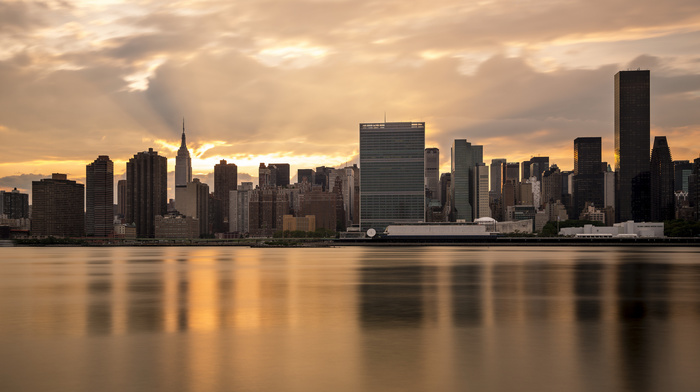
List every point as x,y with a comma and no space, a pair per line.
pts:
432,173
588,180
146,191
99,197
661,177
183,162
632,135
14,204
464,158
393,168
57,207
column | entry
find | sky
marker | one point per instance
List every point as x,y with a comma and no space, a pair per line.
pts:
290,81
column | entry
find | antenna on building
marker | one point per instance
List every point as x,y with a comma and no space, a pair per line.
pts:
183,125
385,117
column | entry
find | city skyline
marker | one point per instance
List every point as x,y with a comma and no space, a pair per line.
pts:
256,85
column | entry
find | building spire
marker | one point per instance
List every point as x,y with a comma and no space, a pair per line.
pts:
182,145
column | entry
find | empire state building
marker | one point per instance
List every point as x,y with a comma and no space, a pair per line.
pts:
183,162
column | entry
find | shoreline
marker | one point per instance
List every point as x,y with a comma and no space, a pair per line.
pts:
381,242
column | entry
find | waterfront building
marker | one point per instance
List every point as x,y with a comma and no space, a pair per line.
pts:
174,226
146,191
57,207
299,223
393,169
432,173
632,135
183,162
661,177
465,157
99,197
588,180
14,204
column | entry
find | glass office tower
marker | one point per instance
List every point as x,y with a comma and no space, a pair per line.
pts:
392,168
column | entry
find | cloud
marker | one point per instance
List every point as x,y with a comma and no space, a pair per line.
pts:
291,80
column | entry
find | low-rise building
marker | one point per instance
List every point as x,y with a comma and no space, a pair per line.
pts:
176,226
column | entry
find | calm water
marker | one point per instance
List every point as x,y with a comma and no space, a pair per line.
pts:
350,319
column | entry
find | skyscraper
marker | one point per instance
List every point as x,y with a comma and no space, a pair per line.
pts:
588,175
464,156
14,205
183,162
632,133
146,190
661,176
496,170
99,197
537,166
225,180
121,198
480,181
392,164
432,172
57,207
280,174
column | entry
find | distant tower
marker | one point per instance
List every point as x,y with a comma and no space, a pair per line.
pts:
432,172
99,197
588,181
632,134
661,175
225,180
464,158
183,162
146,191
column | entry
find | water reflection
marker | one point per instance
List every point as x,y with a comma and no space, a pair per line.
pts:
351,318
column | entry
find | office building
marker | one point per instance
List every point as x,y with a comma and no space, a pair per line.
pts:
121,198
681,172
632,134
496,170
480,179
445,184
279,174
661,177
225,180
193,201
432,173
57,207
305,175
393,169
537,166
551,185
146,191
239,201
588,180
183,162
99,197
14,204
266,208
464,157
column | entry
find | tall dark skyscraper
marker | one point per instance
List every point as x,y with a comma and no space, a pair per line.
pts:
392,164
681,172
632,134
225,181
99,197
588,174
537,166
464,157
121,198
279,173
661,176
57,207
146,191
